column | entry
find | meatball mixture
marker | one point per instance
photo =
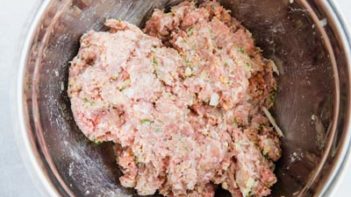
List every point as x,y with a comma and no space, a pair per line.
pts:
184,101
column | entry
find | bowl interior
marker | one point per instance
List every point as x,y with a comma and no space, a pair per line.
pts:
305,107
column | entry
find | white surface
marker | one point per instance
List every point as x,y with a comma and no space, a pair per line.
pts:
14,179
15,16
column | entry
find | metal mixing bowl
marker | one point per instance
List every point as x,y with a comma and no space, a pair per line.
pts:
307,39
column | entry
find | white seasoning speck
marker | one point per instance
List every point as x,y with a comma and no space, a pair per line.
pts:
225,185
296,193
323,22
291,1
274,67
70,169
313,117
272,121
62,86
214,99
188,72
56,73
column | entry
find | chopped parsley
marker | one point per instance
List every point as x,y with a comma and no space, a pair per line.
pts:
241,50
271,98
154,61
248,65
188,62
123,85
190,31
235,123
88,102
97,142
146,121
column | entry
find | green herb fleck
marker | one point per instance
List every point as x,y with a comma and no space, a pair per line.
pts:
145,121
97,142
124,84
271,98
154,61
190,31
241,50
188,62
140,164
247,191
235,123
248,65
87,101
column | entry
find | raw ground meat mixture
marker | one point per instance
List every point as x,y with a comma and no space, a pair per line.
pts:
182,100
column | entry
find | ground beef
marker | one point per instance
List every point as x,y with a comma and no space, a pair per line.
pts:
182,101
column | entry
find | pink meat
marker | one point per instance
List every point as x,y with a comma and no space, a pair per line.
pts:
182,102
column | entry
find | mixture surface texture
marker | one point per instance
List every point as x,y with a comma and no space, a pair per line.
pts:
184,101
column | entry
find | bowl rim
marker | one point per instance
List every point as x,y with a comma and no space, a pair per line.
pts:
30,152
344,32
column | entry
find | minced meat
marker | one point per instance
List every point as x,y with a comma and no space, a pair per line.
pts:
182,100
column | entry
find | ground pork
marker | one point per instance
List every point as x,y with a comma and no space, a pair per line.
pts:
182,101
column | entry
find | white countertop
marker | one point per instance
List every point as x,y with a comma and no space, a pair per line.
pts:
15,16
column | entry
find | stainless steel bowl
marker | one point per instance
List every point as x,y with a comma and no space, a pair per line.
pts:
307,39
